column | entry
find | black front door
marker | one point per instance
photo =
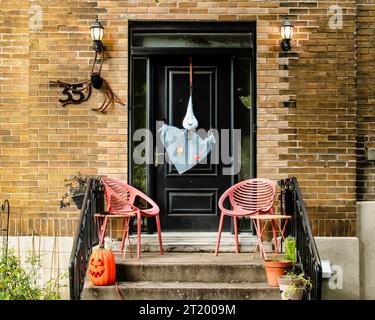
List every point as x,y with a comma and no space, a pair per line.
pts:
188,201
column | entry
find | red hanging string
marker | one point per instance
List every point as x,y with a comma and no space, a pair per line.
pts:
191,73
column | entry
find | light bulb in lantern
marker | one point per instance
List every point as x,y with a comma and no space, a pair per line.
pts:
286,32
97,31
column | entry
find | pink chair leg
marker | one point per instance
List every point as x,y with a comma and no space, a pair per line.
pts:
103,228
275,236
126,226
257,246
130,247
126,234
236,232
98,227
159,233
219,233
139,221
260,244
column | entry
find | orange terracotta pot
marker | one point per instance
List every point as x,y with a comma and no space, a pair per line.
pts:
275,268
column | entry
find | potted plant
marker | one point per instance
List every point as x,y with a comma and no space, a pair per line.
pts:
275,267
293,285
76,190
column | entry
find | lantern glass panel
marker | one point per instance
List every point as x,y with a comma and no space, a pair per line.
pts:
96,33
286,32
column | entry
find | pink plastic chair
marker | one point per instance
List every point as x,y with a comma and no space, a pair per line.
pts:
120,198
249,197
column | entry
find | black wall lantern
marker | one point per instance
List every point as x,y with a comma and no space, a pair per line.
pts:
79,92
286,31
97,32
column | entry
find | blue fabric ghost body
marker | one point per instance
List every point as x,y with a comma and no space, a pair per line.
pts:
185,148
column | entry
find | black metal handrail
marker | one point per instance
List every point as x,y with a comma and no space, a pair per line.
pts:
307,252
85,238
4,225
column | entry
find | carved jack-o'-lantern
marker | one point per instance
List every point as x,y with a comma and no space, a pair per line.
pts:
102,267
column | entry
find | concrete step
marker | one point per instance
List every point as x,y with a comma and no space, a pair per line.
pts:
151,290
191,242
191,267
186,275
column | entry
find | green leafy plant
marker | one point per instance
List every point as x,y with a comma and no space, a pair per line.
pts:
76,185
21,282
298,281
246,101
279,257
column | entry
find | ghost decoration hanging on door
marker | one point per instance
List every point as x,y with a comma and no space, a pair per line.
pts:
185,148
190,122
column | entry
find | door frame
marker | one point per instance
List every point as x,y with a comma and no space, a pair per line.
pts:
185,26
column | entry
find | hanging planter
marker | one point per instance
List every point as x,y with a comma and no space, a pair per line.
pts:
78,200
76,190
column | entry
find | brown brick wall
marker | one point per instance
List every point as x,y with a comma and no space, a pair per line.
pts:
366,98
43,143
322,128
15,183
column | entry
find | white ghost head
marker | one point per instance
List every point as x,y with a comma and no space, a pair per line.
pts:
190,122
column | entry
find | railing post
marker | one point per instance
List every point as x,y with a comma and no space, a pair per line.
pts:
287,204
307,253
85,238
5,208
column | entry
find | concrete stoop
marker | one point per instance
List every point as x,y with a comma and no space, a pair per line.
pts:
187,276
191,242
183,291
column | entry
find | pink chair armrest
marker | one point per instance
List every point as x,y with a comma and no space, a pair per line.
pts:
222,199
154,207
